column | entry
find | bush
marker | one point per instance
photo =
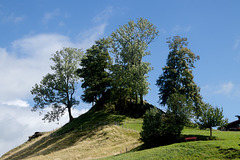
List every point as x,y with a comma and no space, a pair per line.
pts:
152,124
165,128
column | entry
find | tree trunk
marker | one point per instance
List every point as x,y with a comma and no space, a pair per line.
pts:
70,114
136,99
141,100
210,132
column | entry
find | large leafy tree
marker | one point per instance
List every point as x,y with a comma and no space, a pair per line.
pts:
177,77
211,117
57,89
129,44
94,70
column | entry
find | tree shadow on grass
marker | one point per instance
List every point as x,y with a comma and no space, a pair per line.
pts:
90,120
229,153
169,142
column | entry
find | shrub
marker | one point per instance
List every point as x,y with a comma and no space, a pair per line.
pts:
152,126
164,128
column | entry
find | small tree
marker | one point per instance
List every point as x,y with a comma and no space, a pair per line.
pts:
152,127
211,117
56,90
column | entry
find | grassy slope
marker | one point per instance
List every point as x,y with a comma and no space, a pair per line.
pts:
226,146
86,137
78,140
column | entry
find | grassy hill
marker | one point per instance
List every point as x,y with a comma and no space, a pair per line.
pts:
100,134
94,134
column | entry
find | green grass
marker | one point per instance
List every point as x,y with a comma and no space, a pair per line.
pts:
134,124
226,146
91,120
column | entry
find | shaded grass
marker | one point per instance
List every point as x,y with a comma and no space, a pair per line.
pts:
90,120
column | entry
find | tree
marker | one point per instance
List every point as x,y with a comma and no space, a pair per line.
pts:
129,44
94,70
57,89
211,117
177,75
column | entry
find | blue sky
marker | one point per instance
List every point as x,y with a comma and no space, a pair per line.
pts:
33,30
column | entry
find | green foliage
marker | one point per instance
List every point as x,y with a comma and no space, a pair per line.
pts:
162,128
152,127
95,71
57,89
178,114
177,75
211,117
129,44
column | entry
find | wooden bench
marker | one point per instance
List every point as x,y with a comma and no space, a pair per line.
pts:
191,138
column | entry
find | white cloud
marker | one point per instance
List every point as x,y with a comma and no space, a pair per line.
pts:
104,15
91,35
237,44
53,15
26,63
17,102
179,28
11,17
225,88
61,24
50,15
18,19
40,45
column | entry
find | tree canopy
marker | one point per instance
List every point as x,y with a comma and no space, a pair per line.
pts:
129,44
211,117
177,75
56,90
94,70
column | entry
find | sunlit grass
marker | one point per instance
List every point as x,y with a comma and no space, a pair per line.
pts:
134,124
226,146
